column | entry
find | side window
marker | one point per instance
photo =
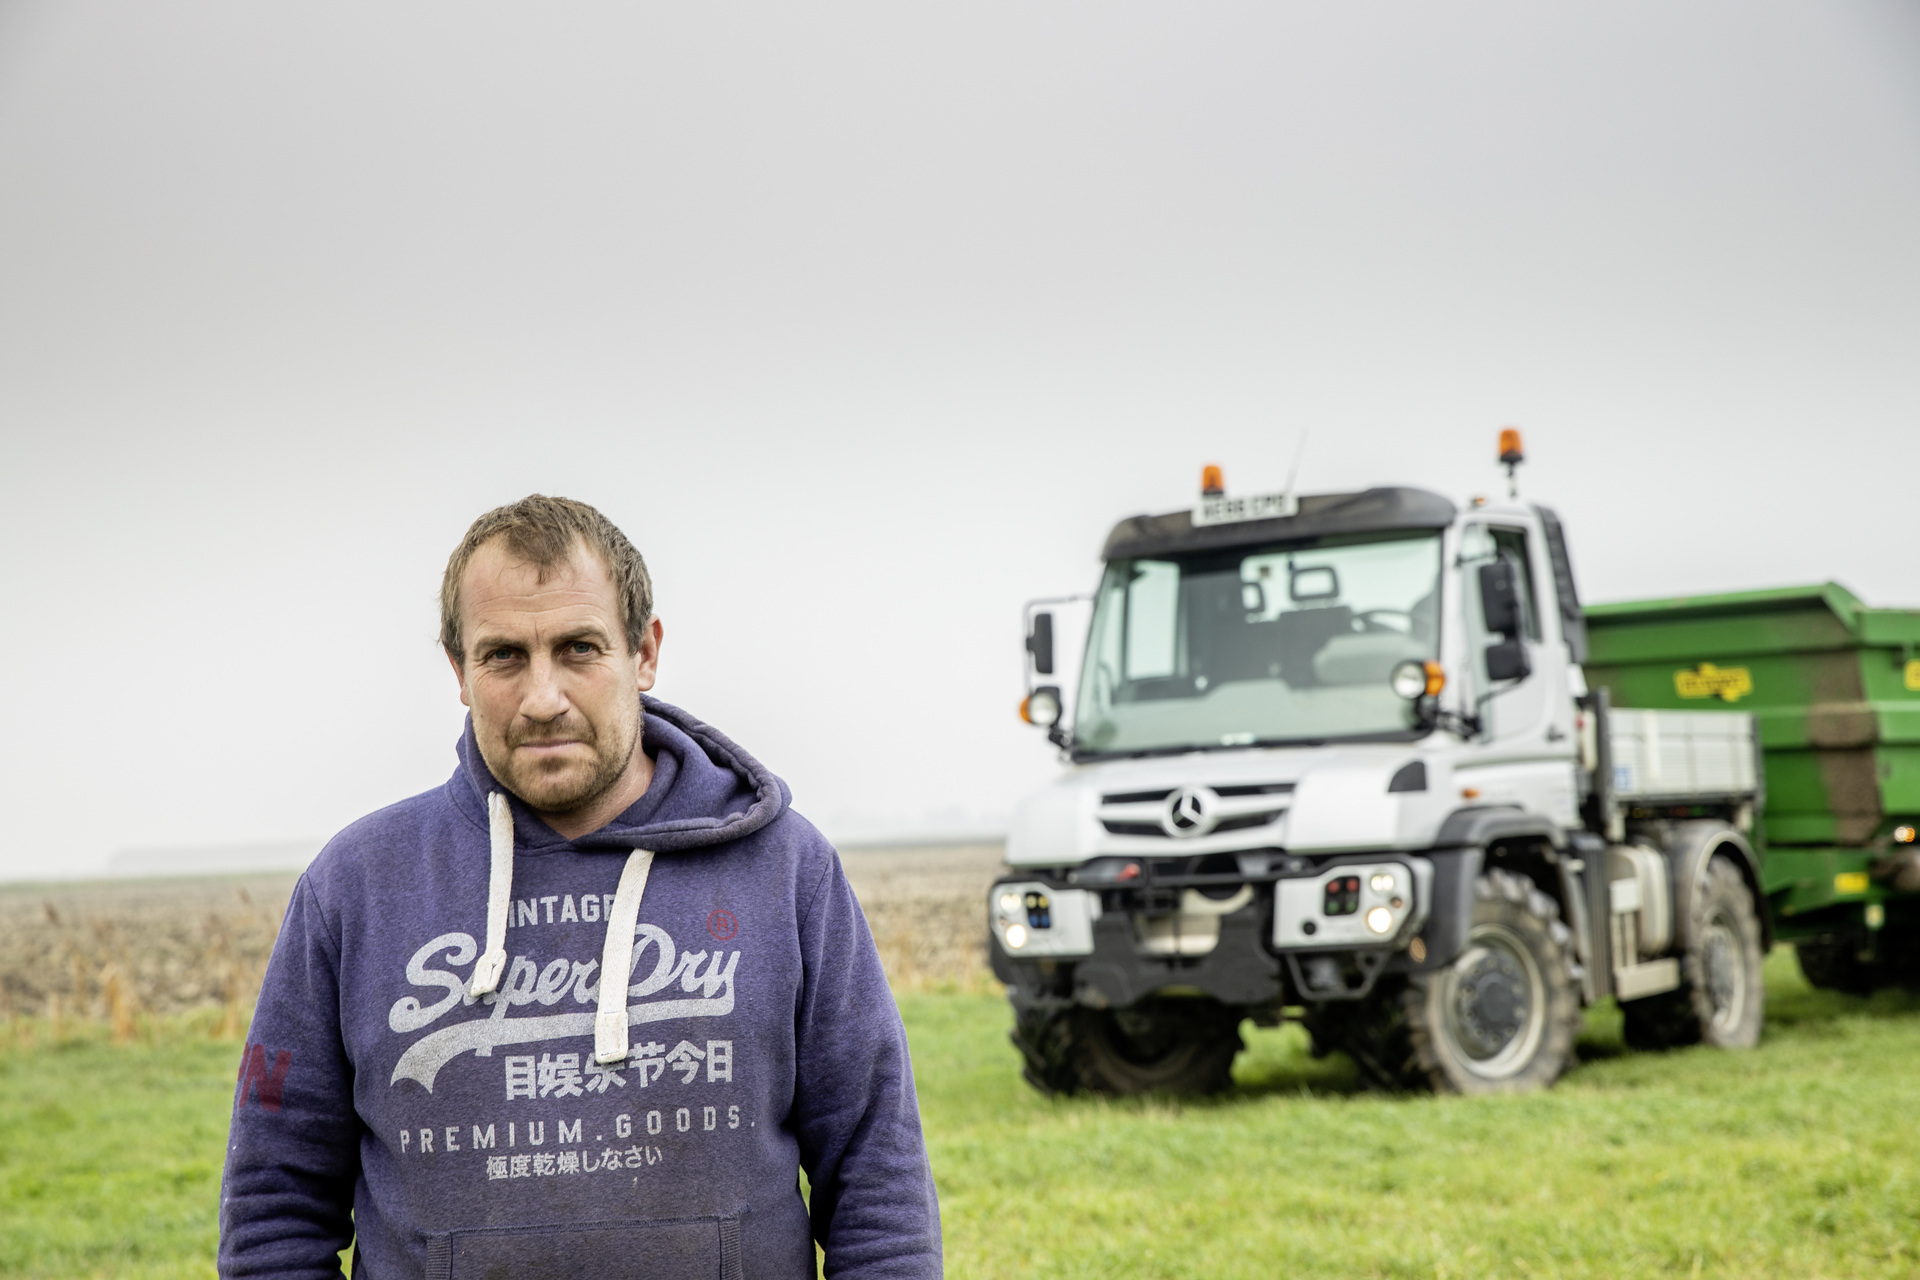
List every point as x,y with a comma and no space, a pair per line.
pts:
1512,543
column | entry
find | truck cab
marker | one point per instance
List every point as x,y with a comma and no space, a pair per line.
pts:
1333,757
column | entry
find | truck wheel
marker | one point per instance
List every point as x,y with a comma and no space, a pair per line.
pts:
1836,966
1502,1017
1373,1032
1720,998
1155,1046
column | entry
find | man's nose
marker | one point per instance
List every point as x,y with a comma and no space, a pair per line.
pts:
545,699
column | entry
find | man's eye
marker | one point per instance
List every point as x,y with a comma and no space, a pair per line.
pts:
500,655
580,649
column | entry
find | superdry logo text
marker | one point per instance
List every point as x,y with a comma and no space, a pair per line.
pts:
704,982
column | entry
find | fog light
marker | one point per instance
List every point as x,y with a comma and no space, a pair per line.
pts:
1379,919
1382,882
1016,936
1010,903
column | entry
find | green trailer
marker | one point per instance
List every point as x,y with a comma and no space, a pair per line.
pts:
1835,688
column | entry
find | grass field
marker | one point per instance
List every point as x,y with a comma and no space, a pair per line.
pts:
1797,1160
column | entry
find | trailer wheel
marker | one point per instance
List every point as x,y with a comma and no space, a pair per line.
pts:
1155,1046
1720,999
1836,966
1502,1017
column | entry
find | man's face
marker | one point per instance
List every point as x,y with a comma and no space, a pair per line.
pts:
554,690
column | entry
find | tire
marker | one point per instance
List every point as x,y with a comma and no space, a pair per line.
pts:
1835,966
1500,1019
1376,1033
1155,1046
1720,1000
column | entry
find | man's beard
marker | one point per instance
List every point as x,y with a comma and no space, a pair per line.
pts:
566,789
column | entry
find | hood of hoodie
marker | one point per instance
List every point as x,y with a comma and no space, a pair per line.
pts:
706,790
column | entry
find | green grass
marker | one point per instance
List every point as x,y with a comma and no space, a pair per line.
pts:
110,1154
1802,1159
1799,1159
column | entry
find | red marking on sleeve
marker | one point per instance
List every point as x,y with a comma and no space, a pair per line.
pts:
722,925
258,1081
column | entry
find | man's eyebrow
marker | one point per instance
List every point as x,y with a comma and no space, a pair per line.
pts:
587,632
590,631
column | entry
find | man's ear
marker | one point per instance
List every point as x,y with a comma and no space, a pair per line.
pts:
647,661
459,674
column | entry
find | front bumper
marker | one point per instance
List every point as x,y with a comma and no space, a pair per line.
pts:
1301,932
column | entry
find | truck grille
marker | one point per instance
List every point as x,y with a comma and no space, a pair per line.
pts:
1234,807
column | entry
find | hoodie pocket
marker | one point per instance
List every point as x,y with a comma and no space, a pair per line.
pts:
659,1249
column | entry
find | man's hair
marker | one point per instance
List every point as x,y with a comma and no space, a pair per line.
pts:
543,532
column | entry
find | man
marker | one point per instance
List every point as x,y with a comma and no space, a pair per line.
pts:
589,1008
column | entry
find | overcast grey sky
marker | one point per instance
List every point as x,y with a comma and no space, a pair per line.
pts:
866,321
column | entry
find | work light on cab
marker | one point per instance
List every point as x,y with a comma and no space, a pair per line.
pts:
1041,707
1414,679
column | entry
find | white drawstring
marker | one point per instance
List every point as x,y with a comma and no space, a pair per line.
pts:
616,956
493,962
616,959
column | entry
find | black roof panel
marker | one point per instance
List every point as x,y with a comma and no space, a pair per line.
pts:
1321,515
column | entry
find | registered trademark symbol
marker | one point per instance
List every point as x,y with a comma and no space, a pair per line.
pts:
722,925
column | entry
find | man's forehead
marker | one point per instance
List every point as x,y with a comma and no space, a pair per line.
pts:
498,583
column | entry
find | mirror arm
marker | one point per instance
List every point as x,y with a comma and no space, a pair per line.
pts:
1430,716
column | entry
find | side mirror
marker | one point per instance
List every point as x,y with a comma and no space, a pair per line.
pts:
1508,659
1040,643
1500,597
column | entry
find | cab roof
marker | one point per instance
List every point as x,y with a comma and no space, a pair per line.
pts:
1321,515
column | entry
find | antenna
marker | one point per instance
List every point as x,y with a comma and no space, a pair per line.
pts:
1293,472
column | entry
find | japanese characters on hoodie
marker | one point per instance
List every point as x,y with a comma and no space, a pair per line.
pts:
478,1136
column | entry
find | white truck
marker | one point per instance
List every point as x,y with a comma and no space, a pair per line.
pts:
1333,758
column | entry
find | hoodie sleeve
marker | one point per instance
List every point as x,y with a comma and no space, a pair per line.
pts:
293,1149
855,1114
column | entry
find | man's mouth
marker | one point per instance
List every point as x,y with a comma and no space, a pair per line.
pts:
549,746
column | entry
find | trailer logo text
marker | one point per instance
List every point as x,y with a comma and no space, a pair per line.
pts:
1729,684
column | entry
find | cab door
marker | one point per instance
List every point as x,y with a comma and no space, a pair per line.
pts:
1525,753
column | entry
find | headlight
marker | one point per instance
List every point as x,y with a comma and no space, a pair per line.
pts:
1379,920
1016,936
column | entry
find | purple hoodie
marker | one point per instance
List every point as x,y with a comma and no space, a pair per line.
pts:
479,1138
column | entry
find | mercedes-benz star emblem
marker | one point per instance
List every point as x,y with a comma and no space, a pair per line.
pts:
1189,812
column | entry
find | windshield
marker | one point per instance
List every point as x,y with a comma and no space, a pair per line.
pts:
1269,644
